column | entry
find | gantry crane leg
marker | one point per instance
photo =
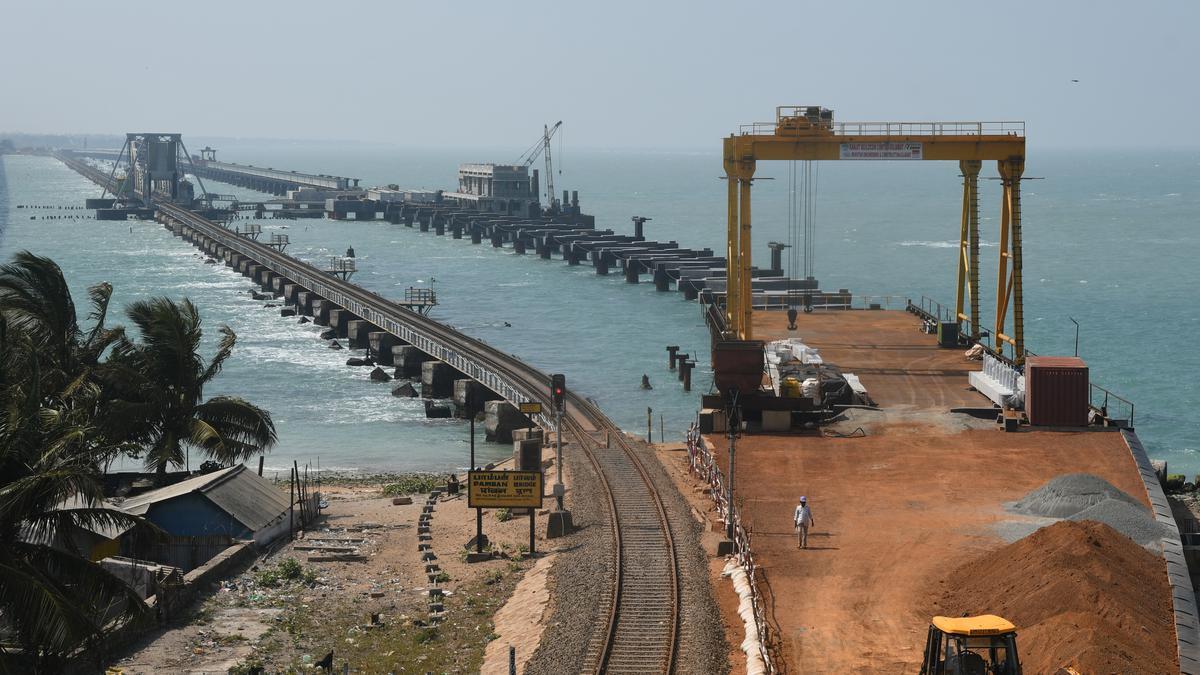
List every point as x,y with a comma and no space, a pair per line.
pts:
1008,281
732,260
968,247
745,296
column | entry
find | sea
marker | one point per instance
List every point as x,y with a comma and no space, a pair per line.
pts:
1110,240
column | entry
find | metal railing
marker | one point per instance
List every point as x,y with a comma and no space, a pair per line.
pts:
1103,401
704,466
1013,129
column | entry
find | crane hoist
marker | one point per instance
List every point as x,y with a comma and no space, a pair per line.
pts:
810,133
542,147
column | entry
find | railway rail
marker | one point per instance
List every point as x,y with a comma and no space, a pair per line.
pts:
642,605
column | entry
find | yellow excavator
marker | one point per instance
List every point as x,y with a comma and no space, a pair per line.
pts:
971,645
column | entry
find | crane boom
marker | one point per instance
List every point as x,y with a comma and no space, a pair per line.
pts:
542,147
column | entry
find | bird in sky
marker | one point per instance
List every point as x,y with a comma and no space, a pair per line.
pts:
1075,81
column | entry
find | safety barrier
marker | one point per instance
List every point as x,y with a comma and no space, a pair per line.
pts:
704,466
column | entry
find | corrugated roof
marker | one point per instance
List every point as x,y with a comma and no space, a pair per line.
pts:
243,494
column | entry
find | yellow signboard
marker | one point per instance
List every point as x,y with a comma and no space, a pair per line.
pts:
504,489
530,408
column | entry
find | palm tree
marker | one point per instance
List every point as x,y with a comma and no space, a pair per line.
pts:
164,408
52,600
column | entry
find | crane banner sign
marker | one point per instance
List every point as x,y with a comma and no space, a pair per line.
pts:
504,489
881,151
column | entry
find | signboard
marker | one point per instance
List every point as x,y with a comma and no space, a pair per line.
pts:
881,151
504,489
530,408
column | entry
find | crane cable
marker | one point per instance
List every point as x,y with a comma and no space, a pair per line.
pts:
802,229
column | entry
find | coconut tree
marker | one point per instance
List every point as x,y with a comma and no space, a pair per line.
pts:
162,380
53,601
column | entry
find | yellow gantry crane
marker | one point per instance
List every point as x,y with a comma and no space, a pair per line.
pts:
810,133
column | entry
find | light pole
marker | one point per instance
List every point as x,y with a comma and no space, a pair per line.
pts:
1076,334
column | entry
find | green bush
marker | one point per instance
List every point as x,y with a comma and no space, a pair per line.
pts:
503,515
413,483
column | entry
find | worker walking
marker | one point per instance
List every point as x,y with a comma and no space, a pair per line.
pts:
803,519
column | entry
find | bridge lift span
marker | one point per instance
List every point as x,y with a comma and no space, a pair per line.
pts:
810,133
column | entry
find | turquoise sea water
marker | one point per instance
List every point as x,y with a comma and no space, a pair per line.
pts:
1110,239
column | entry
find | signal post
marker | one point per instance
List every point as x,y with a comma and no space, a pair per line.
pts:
559,522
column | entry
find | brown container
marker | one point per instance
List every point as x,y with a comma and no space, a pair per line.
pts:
1056,391
738,364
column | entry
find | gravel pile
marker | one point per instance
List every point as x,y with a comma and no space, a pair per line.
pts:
1069,494
1082,496
1131,520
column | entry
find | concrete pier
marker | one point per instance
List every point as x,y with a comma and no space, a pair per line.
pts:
408,361
358,332
437,379
465,387
339,321
501,419
379,346
320,311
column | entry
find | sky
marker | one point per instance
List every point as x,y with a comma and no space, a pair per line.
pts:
652,75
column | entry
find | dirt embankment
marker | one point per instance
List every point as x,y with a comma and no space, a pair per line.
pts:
1081,595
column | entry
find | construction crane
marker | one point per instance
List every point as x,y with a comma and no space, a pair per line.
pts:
539,148
810,133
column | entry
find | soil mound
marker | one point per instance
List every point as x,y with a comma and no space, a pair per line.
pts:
1064,496
1080,593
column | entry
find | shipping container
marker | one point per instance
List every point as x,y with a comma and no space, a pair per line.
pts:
1056,391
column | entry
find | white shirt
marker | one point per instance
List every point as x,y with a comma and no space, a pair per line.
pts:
803,515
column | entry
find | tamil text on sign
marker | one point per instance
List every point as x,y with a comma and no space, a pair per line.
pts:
881,151
530,408
504,489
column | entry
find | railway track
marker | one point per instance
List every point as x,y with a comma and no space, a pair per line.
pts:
642,602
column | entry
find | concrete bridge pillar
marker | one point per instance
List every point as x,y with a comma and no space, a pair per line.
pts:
465,387
408,361
437,379
379,345
439,223
235,260
252,271
358,332
306,301
476,233
501,419
290,291
320,311
277,284
519,245
339,321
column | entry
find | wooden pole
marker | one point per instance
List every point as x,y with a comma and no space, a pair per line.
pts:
260,464
292,506
532,515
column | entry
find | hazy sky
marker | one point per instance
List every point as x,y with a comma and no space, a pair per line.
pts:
620,74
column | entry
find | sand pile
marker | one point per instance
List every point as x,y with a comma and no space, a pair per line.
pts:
1068,494
1080,594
